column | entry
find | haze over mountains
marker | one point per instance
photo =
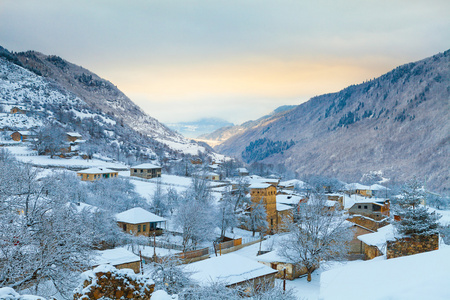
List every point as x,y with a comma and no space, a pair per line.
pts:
397,124
30,77
200,127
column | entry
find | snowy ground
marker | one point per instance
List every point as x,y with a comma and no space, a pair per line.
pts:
71,163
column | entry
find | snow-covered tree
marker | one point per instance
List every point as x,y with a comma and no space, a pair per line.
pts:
197,222
159,200
196,215
173,199
256,217
169,275
415,219
225,213
50,139
115,194
320,234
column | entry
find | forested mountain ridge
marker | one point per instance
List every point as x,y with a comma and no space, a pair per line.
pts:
52,89
95,91
397,123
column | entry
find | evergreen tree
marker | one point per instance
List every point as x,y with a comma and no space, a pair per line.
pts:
415,219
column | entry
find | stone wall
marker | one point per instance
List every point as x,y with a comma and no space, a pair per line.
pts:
107,282
412,245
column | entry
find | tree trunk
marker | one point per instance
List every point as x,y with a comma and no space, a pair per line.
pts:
309,276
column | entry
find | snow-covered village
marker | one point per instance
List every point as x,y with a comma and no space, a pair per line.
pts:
179,185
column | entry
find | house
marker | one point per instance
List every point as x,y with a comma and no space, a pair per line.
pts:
374,208
374,244
207,175
18,110
357,188
357,248
267,194
196,161
120,258
138,221
292,184
96,174
242,172
232,270
285,216
147,171
22,136
276,262
73,136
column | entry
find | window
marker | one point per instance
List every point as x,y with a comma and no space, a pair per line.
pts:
144,228
139,228
87,176
124,226
359,206
142,171
135,170
365,206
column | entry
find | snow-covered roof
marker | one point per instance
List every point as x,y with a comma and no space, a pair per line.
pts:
356,186
74,134
204,173
350,200
288,199
229,269
114,257
242,170
378,238
138,215
293,182
259,185
419,276
378,187
146,166
25,132
282,207
80,207
97,171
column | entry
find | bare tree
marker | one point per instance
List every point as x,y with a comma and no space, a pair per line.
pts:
321,233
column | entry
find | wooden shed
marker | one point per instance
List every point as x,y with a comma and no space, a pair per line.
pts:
138,221
147,171
97,174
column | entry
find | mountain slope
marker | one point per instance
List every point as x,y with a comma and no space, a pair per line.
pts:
95,91
76,97
222,134
397,123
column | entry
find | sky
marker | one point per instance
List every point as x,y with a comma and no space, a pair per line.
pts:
235,59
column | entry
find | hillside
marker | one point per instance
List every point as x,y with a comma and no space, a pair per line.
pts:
222,134
397,123
29,77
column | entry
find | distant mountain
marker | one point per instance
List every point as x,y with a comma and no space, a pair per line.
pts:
222,134
68,93
195,128
397,124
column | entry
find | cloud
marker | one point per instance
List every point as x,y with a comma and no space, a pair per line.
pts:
172,55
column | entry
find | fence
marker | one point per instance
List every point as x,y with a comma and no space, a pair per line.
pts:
195,255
